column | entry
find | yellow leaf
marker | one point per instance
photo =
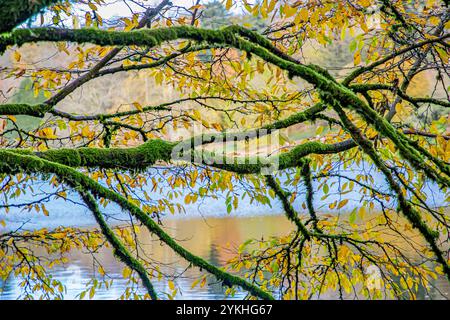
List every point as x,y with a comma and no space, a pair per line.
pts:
75,22
202,284
443,54
434,21
17,56
365,3
85,131
197,114
342,203
88,18
159,78
48,133
126,272
362,212
357,58
260,66
409,282
138,106
229,4
303,14
194,283
91,293
92,6
447,25
59,235
289,11
171,285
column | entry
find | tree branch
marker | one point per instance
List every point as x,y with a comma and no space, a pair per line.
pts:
12,162
119,249
15,12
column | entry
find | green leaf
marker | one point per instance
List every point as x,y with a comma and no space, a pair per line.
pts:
352,216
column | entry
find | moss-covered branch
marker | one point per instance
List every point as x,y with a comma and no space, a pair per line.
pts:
307,180
404,206
287,206
146,155
140,157
250,165
13,162
228,36
15,12
13,109
309,114
120,250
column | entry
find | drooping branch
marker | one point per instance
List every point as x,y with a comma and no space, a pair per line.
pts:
287,206
309,114
307,180
160,62
404,206
40,110
416,65
119,249
408,151
12,163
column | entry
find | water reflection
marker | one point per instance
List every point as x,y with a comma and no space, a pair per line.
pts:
204,237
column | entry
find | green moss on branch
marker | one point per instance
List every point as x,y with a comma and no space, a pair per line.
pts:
287,206
119,249
136,158
404,206
37,110
146,155
12,162
230,37
15,12
307,180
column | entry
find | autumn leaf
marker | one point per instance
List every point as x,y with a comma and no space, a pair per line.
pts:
138,106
